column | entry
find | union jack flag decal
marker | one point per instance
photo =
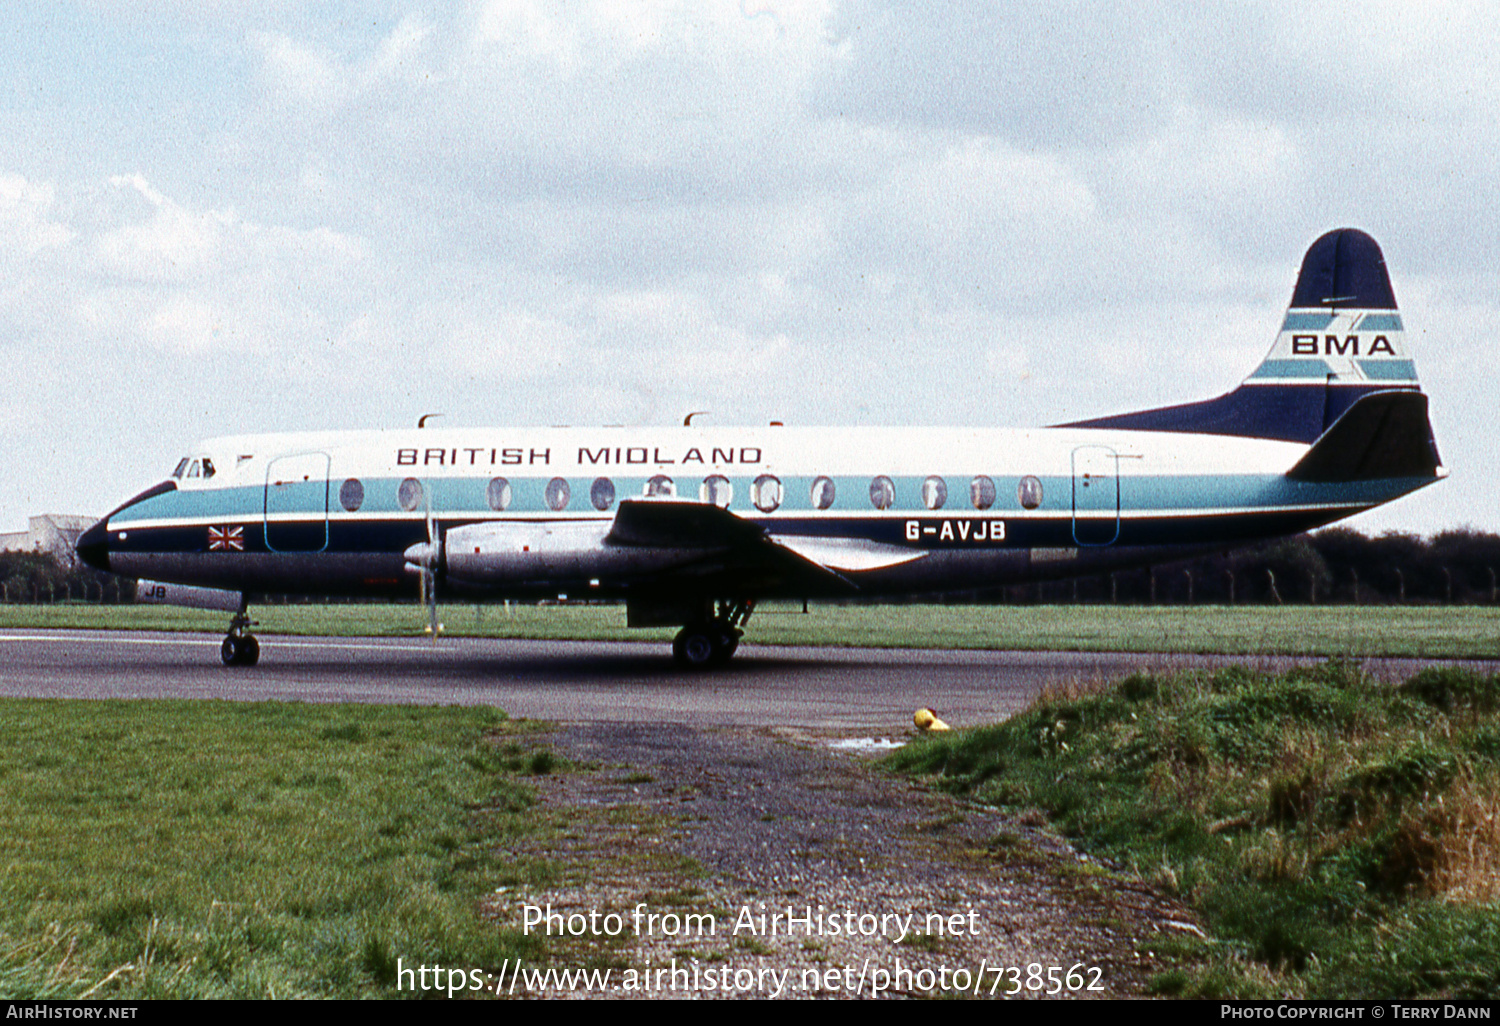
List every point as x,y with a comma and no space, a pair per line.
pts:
226,539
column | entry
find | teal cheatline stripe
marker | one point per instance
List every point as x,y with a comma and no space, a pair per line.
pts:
1381,322
1389,370
1306,321
1307,369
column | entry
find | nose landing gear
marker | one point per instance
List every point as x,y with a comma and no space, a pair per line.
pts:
240,647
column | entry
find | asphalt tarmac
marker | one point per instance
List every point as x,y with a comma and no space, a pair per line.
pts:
856,691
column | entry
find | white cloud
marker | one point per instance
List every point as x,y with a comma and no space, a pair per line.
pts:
171,244
26,222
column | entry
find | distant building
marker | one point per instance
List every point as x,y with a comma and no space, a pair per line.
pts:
53,533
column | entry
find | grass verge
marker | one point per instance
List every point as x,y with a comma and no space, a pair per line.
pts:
1451,632
215,849
1340,837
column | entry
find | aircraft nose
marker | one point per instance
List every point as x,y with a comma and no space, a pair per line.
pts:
93,545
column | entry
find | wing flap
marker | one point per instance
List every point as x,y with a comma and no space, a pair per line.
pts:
738,553
845,554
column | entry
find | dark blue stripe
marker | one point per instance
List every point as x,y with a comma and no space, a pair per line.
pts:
1283,412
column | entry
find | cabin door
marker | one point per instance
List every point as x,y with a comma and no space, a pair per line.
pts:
297,503
1096,495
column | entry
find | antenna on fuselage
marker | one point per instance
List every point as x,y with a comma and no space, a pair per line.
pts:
688,420
422,421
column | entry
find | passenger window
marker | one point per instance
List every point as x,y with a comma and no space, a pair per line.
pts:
765,492
982,492
1029,492
882,493
934,492
352,495
498,494
558,494
602,494
661,485
409,494
717,490
823,491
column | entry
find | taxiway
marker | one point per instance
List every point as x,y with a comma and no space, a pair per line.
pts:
815,688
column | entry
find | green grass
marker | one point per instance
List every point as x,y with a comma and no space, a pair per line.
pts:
1467,632
1341,838
214,849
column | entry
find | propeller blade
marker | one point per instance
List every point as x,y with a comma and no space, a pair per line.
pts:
432,556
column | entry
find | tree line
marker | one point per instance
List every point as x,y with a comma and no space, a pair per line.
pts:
30,577
1338,566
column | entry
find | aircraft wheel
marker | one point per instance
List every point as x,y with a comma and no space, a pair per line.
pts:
240,651
696,647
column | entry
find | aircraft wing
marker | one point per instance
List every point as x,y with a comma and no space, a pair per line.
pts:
676,524
739,550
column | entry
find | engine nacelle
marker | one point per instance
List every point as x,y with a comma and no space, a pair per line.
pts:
559,551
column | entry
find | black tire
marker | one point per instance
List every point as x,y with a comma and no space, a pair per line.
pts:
240,651
696,648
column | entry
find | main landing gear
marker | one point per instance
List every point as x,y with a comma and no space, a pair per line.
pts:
709,643
240,647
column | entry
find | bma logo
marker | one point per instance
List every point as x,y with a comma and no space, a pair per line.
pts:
1307,345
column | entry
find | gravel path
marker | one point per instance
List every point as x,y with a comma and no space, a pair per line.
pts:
775,865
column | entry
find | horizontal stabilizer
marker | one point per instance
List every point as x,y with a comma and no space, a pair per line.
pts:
1383,435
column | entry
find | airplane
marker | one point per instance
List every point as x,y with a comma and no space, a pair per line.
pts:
691,526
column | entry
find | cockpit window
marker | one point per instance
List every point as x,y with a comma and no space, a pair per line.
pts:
188,467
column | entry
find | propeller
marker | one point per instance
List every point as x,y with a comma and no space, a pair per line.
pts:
425,558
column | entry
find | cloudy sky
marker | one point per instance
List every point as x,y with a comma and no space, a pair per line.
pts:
221,216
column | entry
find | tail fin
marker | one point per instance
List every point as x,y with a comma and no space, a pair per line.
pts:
1342,329
1342,339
